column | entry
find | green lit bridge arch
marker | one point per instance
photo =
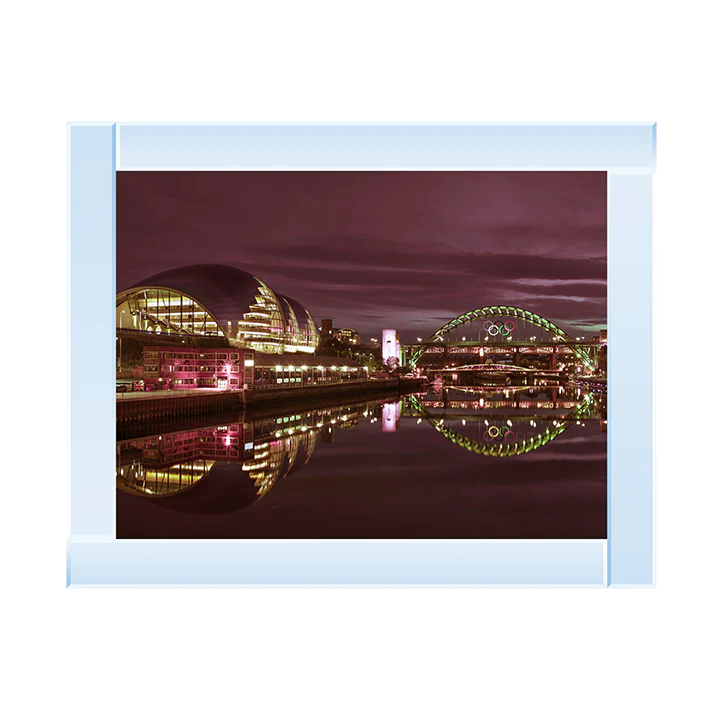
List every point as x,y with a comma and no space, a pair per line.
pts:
506,449
507,312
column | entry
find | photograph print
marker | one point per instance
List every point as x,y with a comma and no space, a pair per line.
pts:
361,355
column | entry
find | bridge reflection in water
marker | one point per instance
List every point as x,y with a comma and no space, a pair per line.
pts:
506,421
223,468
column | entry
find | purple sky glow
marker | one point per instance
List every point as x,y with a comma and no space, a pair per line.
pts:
371,250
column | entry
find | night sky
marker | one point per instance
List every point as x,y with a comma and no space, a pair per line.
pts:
371,250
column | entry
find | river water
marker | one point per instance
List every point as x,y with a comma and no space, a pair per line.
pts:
474,463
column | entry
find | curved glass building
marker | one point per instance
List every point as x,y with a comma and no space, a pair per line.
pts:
217,301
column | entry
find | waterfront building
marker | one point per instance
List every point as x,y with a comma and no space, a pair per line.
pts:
291,370
217,301
346,336
185,368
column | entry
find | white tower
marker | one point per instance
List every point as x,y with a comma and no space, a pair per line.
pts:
390,345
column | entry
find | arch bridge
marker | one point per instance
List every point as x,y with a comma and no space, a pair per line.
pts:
502,328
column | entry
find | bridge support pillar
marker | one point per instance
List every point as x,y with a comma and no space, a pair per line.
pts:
518,358
553,360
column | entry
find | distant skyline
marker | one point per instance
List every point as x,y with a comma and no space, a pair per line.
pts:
406,250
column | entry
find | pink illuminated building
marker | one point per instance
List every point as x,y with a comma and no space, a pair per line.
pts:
184,368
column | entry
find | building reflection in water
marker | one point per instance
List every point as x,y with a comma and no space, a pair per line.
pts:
226,467
221,468
391,413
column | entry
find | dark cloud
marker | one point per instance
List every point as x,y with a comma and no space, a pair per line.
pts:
378,249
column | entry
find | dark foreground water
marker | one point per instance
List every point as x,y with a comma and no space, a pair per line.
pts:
451,463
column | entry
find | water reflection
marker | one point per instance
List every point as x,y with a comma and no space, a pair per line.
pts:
225,468
261,451
505,421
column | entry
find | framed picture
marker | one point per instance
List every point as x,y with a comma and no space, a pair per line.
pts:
361,354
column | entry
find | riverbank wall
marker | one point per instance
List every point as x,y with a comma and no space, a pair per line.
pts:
149,406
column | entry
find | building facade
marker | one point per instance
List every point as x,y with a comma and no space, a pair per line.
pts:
232,369
346,336
184,368
217,301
